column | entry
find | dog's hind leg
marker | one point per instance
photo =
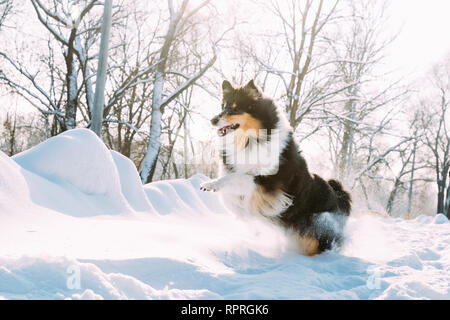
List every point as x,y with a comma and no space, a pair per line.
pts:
329,230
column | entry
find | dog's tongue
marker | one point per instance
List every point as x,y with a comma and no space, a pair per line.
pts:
224,130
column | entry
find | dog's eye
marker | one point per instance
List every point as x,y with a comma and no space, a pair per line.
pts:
233,111
230,108
226,105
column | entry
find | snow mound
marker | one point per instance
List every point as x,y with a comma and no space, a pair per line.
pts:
79,161
75,223
183,196
130,183
440,219
13,185
77,157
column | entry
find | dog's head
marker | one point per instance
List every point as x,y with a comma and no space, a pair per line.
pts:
245,110
252,123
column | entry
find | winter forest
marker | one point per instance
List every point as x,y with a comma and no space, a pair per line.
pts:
383,133
109,156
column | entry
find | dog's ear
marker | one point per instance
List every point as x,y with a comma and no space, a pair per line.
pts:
227,88
253,89
251,85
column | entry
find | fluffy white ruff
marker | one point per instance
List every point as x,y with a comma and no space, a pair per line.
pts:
254,153
249,158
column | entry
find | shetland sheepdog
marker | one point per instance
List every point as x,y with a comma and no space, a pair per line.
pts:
263,172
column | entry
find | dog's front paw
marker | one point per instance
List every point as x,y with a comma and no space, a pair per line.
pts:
212,185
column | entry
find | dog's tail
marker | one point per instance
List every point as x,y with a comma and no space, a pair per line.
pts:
344,198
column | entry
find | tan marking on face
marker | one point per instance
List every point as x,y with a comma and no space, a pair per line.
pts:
309,245
248,127
234,106
246,122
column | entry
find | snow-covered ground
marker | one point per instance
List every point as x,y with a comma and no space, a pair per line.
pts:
75,222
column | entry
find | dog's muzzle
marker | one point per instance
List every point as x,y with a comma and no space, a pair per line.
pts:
224,127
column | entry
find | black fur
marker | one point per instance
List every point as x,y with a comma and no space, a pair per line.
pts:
311,194
249,100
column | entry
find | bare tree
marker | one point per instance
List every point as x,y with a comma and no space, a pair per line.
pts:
56,20
178,22
437,137
56,89
19,132
295,60
42,86
10,128
367,113
132,61
66,31
5,9
99,99
411,163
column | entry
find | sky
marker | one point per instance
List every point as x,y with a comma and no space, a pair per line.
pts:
424,37
422,41
422,27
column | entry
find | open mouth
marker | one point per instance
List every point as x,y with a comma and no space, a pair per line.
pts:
225,130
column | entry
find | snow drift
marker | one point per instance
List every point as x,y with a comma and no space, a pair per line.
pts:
75,223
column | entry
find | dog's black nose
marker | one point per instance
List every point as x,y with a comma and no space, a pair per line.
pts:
215,120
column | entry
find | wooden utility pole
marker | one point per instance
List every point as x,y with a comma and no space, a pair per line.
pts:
99,99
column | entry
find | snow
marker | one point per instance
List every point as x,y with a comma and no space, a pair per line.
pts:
75,223
130,183
78,161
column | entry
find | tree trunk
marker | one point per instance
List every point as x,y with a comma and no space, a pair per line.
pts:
149,163
90,95
392,195
441,191
72,92
175,170
126,145
447,201
411,183
97,112
345,154
185,150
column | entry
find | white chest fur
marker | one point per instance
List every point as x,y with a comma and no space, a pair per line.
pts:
252,155
240,194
